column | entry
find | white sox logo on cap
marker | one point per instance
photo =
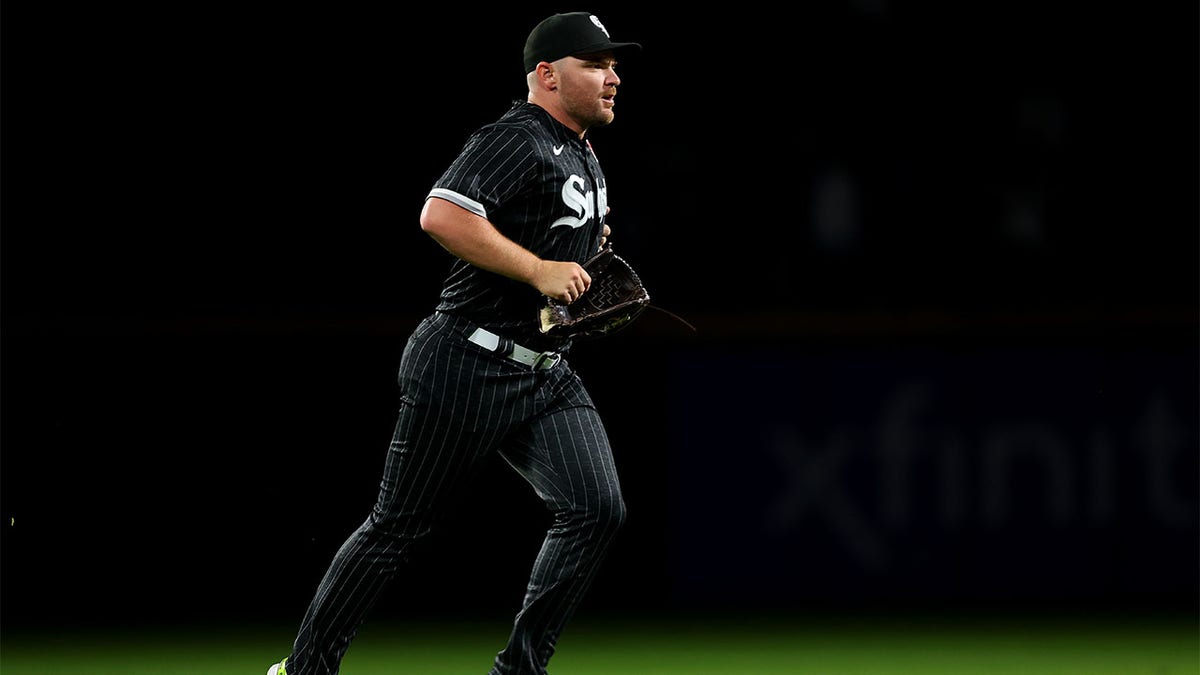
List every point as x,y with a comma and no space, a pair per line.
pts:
599,25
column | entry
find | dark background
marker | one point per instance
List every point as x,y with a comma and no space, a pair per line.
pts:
941,259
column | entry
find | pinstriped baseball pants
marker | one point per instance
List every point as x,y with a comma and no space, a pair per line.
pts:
458,404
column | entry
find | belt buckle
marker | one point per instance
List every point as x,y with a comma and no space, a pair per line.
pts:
543,358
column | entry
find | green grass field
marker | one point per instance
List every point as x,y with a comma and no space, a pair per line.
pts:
753,647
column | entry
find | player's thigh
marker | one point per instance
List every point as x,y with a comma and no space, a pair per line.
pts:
440,436
566,457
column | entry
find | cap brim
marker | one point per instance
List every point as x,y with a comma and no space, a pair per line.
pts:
608,46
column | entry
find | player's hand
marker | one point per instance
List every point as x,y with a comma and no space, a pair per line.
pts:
563,281
604,236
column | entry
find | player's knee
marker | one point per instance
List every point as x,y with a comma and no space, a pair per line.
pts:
601,515
398,525
609,513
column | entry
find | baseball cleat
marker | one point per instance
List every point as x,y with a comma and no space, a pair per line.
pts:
278,669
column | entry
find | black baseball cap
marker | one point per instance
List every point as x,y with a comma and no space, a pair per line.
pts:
566,35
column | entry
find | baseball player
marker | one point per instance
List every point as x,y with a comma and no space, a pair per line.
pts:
520,208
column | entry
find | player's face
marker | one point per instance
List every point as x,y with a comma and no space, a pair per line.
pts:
588,88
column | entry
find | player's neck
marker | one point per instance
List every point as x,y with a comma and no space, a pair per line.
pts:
550,105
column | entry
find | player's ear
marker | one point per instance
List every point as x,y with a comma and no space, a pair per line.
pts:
547,75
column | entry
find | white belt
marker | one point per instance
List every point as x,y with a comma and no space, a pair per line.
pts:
507,348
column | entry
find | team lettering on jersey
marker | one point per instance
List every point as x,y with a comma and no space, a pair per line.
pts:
579,199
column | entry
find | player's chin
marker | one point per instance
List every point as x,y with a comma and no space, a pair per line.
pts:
603,117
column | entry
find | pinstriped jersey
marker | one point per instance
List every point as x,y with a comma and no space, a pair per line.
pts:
541,186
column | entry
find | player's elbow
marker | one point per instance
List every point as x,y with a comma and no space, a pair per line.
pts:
429,224
440,219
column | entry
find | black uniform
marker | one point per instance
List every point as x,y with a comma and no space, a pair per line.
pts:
542,187
477,377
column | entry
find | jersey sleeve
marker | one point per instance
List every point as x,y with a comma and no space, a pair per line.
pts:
493,166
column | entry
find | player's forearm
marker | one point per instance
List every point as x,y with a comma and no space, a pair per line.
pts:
477,241
491,251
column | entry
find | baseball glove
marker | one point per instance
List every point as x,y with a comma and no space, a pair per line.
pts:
614,299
